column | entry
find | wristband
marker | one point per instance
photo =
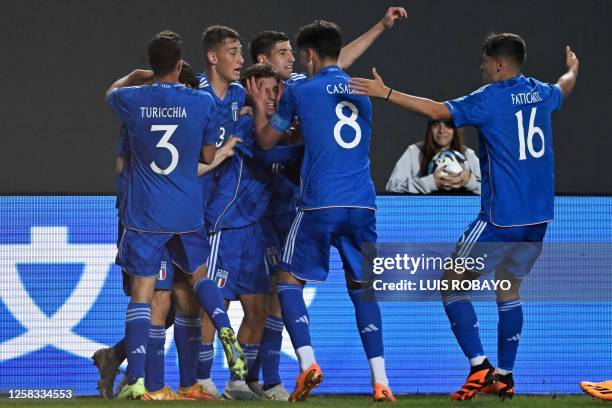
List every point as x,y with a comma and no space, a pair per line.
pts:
389,94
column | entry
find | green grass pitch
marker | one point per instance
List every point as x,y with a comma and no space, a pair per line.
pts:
341,401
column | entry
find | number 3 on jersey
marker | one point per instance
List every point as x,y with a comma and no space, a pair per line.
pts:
350,121
163,143
533,130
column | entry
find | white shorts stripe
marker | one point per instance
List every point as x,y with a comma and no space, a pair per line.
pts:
469,237
466,251
212,265
290,243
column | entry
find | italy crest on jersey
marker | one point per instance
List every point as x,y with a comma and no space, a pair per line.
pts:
221,277
235,111
162,271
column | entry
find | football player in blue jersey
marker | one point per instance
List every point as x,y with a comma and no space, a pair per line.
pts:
513,114
163,175
337,202
187,329
274,48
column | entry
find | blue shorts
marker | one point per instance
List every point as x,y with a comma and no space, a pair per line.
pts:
165,276
164,280
237,263
313,232
515,249
141,253
275,229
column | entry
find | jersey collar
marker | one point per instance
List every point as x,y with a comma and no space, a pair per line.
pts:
329,68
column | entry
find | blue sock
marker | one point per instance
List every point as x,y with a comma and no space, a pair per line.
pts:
205,360
154,364
269,350
119,350
464,324
250,352
211,300
295,314
508,332
187,339
137,325
369,322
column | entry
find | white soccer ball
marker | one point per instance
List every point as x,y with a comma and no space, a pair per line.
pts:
448,161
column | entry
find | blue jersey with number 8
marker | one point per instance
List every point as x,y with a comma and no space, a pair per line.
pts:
516,150
167,126
336,126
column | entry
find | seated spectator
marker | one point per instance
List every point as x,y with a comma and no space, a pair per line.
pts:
424,169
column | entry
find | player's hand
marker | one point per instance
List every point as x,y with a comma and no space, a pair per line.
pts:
140,76
246,110
392,15
228,147
571,60
257,94
370,87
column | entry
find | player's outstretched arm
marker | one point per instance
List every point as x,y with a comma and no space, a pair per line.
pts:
224,152
136,77
377,89
568,80
265,135
353,50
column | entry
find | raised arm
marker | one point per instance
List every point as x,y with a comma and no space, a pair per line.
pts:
353,50
136,77
568,80
421,106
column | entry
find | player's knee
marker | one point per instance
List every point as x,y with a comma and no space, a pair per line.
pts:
287,277
160,306
142,289
185,301
198,275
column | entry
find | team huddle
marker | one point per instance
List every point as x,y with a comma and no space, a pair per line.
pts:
234,185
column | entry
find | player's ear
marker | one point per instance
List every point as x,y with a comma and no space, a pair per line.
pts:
179,66
501,63
261,58
211,56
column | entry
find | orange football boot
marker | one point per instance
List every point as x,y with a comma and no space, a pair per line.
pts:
195,392
599,390
306,382
382,393
480,377
503,386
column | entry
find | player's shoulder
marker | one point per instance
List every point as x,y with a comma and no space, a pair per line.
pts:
128,90
195,94
203,80
296,78
237,90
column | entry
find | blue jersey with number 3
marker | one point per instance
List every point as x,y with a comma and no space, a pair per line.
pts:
167,126
516,150
336,126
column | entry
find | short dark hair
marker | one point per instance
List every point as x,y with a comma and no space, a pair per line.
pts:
260,70
263,43
324,37
216,35
164,52
505,45
188,76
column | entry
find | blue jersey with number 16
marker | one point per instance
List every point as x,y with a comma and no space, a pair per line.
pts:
336,125
516,151
167,126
